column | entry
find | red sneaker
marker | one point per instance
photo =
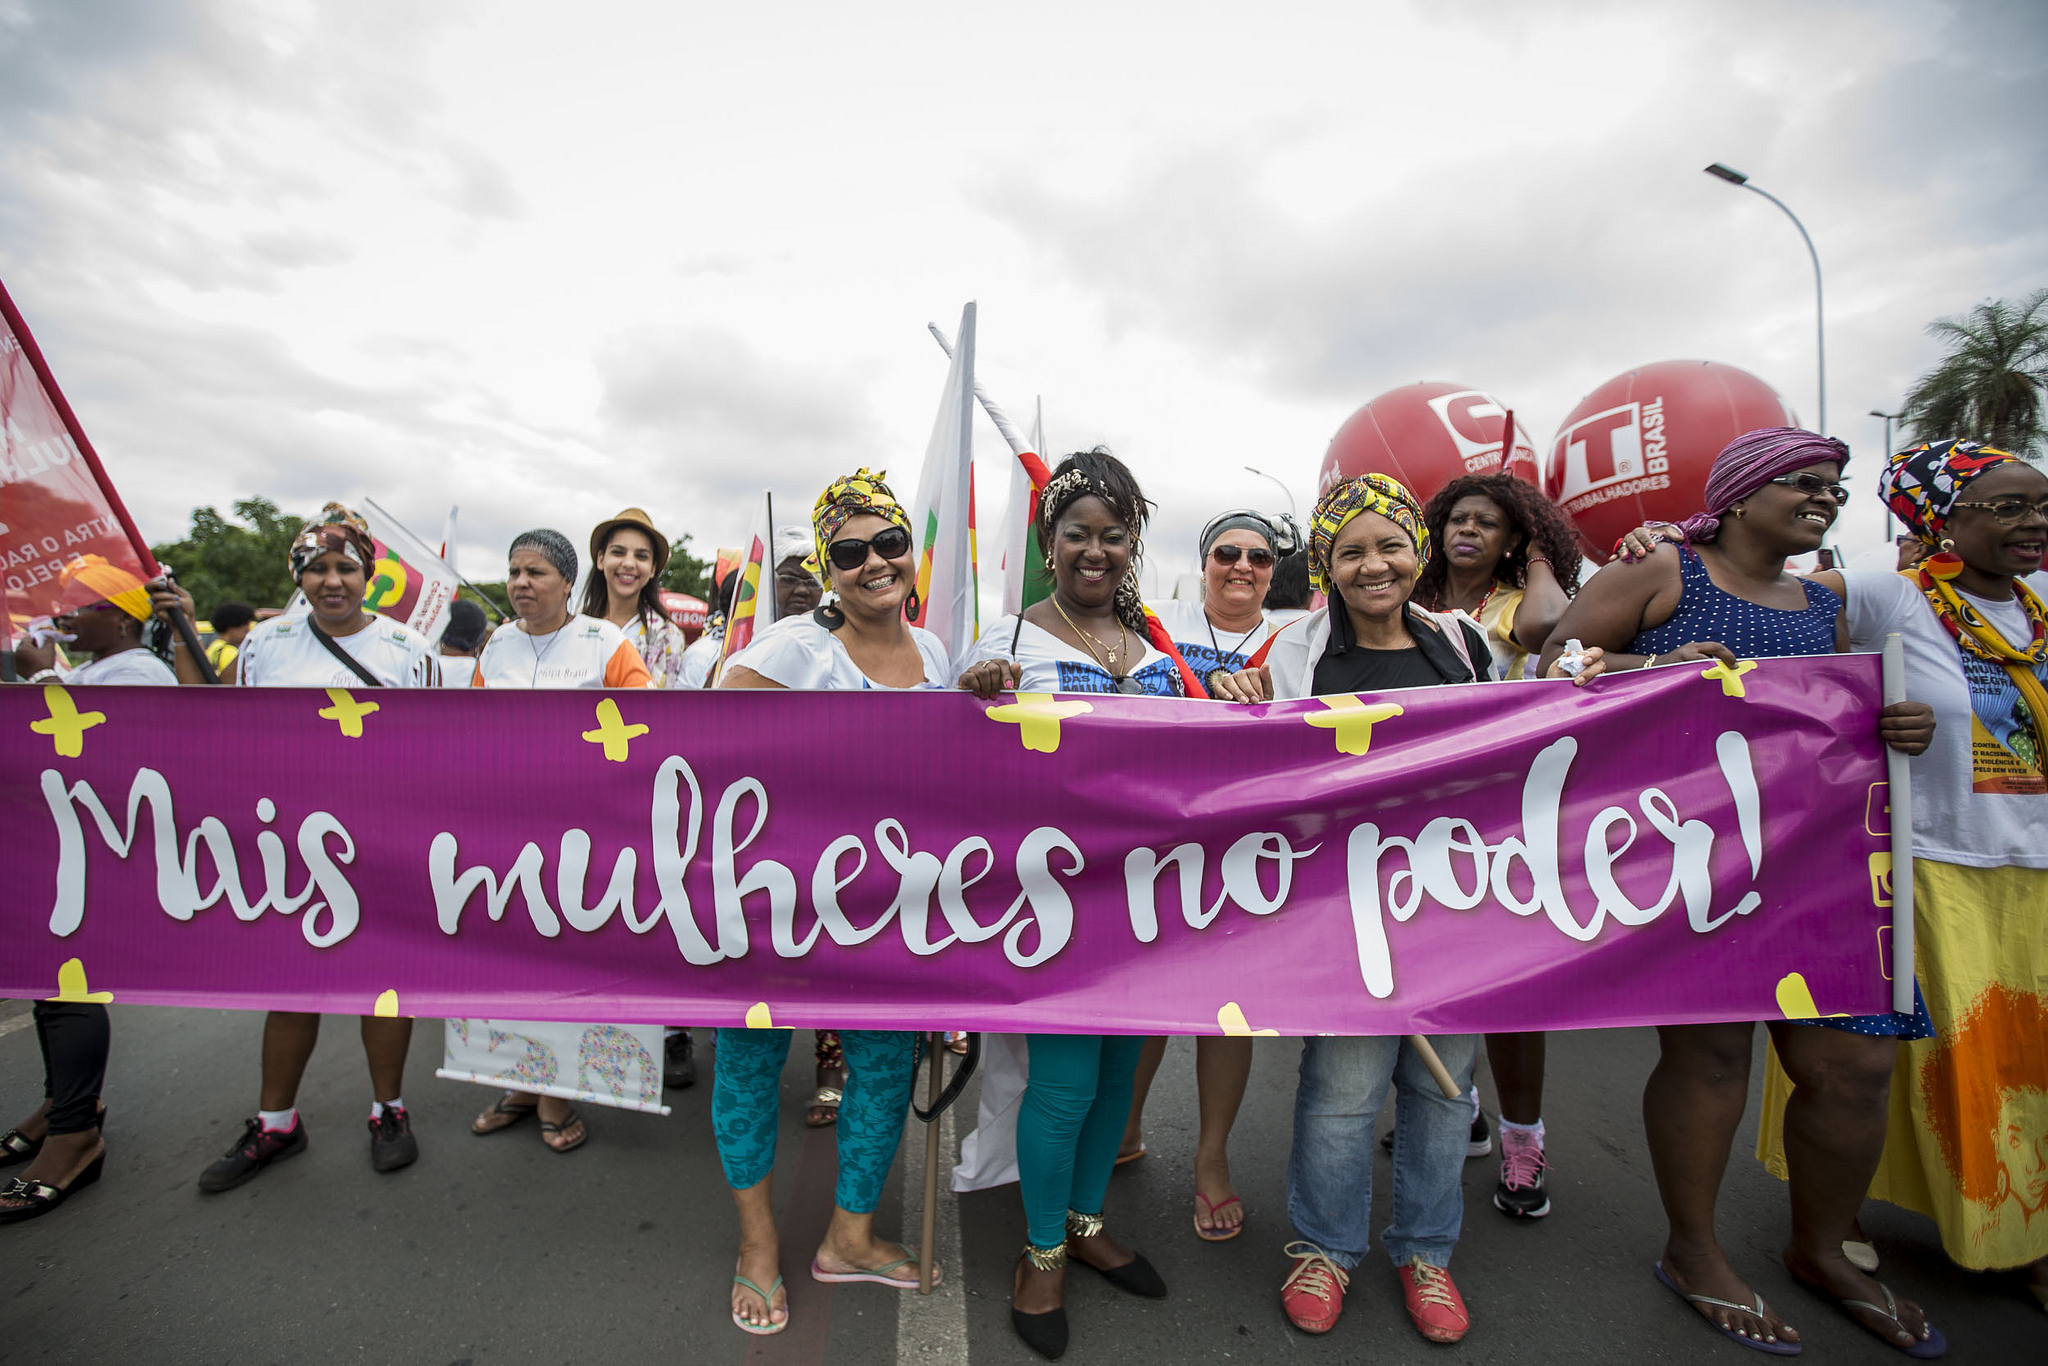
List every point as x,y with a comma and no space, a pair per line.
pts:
1434,1302
1313,1293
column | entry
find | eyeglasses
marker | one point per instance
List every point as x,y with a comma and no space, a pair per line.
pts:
89,607
1810,484
2011,511
1260,557
891,544
1126,684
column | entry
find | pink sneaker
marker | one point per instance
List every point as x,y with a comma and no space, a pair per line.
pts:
1520,1194
1313,1293
1433,1302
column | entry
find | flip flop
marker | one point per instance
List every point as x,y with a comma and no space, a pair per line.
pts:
547,1127
1776,1349
1936,1344
761,1330
1122,1158
513,1115
1217,1235
878,1275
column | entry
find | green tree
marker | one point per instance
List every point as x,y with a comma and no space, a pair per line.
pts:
220,561
686,573
1990,386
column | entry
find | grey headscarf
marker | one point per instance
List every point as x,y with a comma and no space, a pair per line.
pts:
553,544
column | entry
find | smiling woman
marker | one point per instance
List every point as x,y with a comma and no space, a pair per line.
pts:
627,556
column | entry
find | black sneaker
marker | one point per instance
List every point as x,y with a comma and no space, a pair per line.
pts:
1481,1142
1520,1194
256,1149
678,1060
391,1142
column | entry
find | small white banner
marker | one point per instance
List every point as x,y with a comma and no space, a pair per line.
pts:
606,1064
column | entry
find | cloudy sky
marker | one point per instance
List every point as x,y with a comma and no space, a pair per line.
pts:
543,261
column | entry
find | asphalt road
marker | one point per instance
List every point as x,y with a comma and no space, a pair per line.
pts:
496,1250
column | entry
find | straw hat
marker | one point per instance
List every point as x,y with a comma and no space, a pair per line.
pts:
639,521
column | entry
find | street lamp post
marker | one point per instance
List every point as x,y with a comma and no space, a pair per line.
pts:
1285,492
1889,419
1735,177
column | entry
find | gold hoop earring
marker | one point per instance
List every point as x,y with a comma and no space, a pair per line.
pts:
1948,546
1739,511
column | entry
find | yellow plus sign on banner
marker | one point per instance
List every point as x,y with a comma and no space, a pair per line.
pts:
612,732
1037,716
67,725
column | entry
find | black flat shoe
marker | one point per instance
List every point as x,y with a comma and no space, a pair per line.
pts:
1045,1334
43,1197
17,1147
1135,1277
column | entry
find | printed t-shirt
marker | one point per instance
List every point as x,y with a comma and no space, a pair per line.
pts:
1979,798
1206,646
661,649
137,666
282,653
585,653
1045,663
1497,618
799,653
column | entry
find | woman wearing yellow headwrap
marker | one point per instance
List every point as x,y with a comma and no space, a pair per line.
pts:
857,641
1967,1143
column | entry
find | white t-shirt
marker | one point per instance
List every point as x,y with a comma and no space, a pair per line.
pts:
1045,663
1975,801
458,671
1203,644
799,653
586,653
698,659
136,666
282,653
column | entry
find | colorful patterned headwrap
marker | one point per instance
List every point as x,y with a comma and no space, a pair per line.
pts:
844,499
336,528
1752,460
1922,485
1367,493
107,583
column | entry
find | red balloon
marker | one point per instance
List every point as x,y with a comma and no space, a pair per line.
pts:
685,611
1637,449
1426,435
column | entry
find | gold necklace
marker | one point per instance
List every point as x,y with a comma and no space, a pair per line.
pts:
1090,640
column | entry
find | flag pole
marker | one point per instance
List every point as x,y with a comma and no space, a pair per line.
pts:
1899,773
489,601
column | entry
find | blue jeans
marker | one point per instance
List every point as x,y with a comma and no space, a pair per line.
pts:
747,1085
1329,1173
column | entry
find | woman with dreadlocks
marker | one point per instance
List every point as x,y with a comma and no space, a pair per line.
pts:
1091,634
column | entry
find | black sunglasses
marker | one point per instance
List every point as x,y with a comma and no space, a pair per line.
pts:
1810,484
892,544
1260,557
1126,684
2011,511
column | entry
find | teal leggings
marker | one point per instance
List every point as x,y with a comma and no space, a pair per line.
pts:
748,1085
1070,1124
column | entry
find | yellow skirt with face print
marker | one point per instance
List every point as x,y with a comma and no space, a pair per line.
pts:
1967,1143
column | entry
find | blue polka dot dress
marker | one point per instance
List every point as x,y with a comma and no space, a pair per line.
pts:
1750,630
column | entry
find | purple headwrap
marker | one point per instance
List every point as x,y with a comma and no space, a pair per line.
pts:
1752,460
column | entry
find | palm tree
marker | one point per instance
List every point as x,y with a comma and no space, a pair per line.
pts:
1992,386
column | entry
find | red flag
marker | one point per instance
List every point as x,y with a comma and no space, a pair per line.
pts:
57,506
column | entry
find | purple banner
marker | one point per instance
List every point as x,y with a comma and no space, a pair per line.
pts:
1678,844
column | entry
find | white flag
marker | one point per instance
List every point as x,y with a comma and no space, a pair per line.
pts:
942,514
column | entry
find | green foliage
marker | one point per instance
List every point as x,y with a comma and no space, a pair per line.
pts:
492,597
1991,385
220,561
686,573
